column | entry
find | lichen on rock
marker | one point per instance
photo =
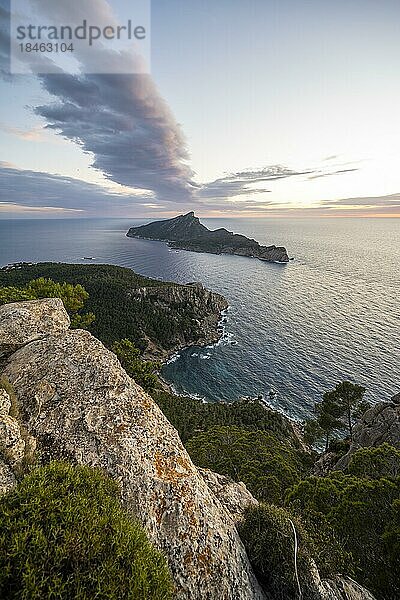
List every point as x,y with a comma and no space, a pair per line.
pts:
81,406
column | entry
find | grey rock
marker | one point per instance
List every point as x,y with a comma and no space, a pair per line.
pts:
5,403
15,443
7,478
81,406
24,322
396,399
344,588
379,424
324,464
235,497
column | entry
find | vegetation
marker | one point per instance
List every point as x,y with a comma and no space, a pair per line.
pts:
362,511
268,536
374,463
265,464
143,372
120,312
337,411
190,416
73,297
64,535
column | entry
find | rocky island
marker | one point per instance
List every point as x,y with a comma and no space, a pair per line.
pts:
185,232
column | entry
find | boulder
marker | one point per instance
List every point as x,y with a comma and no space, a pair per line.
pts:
24,322
235,497
82,407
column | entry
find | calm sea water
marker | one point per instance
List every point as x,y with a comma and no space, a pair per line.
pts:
329,315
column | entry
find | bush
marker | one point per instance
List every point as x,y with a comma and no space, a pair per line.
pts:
64,535
362,513
265,464
268,537
73,297
144,372
383,461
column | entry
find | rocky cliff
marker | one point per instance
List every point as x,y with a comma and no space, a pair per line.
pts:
205,305
159,317
187,233
80,406
378,425
74,402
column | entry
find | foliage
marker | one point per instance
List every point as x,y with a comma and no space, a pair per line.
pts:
362,513
337,411
265,464
349,397
73,297
64,535
191,416
383,461
267,534
143,372
120,312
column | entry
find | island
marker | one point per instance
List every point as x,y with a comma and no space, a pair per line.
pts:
185,232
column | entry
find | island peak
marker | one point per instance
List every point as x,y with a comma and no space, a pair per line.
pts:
185,232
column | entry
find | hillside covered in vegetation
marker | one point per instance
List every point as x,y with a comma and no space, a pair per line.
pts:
158,317
346,518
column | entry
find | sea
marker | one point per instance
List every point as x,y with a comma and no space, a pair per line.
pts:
331,314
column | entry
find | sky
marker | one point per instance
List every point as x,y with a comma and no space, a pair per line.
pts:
256,107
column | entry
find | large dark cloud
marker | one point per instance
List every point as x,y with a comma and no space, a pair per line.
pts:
21,189
4,39
127,126
118,117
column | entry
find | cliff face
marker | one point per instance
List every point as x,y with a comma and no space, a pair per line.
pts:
205,305
187,233
378,425
79,405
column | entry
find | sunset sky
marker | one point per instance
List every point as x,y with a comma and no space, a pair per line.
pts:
256,107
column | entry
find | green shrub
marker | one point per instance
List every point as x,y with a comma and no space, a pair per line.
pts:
144,372
64,535
267,465
383,461
268,537
73,297
362,513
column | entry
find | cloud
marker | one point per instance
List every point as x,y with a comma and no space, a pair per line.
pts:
119,119
329,174
123,121
391,201
15,209
35,134
4,40
238,183
47,193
